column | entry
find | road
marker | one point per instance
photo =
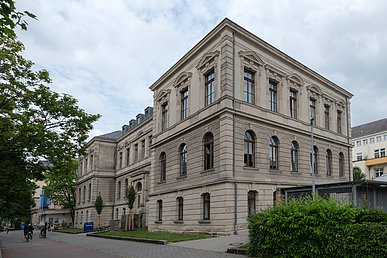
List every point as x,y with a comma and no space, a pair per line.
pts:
62,245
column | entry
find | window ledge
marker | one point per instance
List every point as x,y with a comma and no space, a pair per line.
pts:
161,182
158,222
204,221
251,168
207,171
178,222
181,177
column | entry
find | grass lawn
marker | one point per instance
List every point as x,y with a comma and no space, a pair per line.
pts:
143,233
70,230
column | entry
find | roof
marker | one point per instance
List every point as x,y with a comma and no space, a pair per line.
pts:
369,128
110,136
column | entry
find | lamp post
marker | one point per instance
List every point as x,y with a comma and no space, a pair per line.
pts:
312,158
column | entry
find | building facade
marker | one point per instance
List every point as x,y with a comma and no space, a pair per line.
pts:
231,126
369,144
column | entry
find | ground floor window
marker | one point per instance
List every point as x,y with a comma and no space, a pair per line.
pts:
379,172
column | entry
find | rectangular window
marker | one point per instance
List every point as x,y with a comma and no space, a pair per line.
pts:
385,137
378,138
143,149
206,206
136,152
379,172
312,110
164,116
293,103
79,195
91,161
184,103
358,143
326,117
382,152
273,95
379,153
210,87
150,143
353,144
120,160
359,156
372,140
127,156
365,141
376,154
249,88
339,122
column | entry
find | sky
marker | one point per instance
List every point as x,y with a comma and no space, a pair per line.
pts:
106,54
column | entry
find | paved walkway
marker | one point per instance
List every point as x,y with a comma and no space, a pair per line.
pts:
136,249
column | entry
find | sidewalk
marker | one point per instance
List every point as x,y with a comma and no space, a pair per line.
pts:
218,244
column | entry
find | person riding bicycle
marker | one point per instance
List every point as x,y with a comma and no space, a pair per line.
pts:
28,229
43,230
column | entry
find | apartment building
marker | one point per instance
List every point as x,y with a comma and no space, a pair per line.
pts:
231,126
369,144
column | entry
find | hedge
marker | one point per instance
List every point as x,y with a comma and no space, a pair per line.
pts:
319,228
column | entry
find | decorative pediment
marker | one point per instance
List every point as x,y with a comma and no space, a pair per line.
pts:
274,73
183,78
295,78
314,89
328,99
250,57
207,60
163,96
340,103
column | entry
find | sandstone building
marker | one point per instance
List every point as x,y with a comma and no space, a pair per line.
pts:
230,126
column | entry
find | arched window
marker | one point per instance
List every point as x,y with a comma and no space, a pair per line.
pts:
251,202
208,151
249,146
119,190
328,161
314,162
183,159
341,164
138,190
206,206
179,208
273,155
163,167
294,156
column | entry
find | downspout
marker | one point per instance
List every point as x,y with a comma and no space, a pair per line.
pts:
348,139
233,138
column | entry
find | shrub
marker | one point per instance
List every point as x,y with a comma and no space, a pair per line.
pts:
320,228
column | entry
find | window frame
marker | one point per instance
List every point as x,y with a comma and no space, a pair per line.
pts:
339,122
273,153
209,78
293,103
183,159
294,156
208,144
341,164
249,86
273,95
180,208
249,149
184,95
328,162
312,109
159,210
251,202
206,206
327,117
164,116
163,166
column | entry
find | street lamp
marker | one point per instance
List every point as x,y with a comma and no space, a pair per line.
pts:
312,158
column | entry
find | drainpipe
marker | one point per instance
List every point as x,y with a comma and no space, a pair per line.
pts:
348,139
233,137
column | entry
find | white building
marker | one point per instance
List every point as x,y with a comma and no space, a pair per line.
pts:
369,143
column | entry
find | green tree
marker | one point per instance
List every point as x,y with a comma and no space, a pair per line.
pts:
358,175
130,195
61,185
35,122
98,204
10,18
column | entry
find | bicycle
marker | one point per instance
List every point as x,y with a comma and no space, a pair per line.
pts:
28,236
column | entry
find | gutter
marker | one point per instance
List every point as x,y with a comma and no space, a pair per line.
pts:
233,137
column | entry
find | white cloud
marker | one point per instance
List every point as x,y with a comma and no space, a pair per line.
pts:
107,53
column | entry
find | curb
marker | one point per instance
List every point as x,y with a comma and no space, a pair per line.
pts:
151,241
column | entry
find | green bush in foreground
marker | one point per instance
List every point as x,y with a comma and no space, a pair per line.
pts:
320,228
